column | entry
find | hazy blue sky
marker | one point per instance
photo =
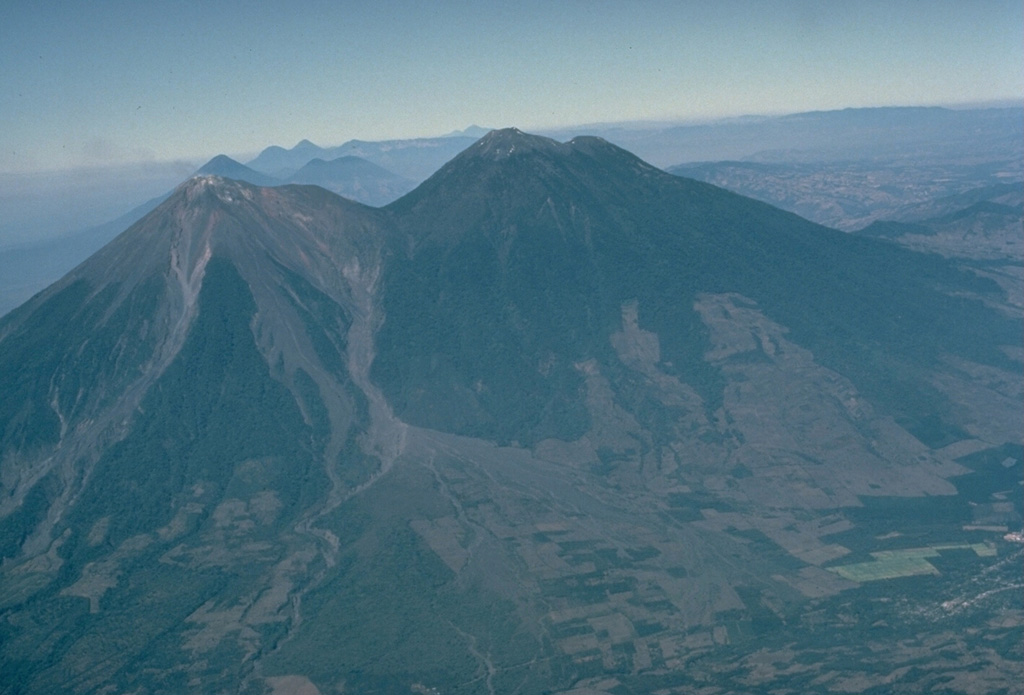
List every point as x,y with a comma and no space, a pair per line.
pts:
93,83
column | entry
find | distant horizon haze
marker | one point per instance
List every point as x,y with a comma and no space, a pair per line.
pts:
148,164
98,85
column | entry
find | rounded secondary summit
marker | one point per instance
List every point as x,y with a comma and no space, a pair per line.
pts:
508,142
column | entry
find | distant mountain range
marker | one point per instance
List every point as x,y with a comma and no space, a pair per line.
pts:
355,178
555,421
348,176
414,159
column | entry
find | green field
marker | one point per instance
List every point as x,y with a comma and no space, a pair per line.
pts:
890,564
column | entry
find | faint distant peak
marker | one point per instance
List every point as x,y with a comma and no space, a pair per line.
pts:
222,165
219,160
342,163
225,166
473,131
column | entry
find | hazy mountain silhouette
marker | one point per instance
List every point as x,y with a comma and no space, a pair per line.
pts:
414,159
225,166
281,163
355,178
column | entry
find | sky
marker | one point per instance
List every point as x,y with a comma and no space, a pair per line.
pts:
94,84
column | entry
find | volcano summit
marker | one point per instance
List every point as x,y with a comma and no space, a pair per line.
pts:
554,421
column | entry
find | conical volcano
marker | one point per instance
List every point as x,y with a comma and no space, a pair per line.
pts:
554,239
247,294
555,421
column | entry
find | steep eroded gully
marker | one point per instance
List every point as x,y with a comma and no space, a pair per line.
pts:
385,438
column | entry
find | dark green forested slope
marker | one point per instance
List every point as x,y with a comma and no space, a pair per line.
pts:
512,264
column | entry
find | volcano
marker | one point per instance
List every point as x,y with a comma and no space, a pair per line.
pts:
554,421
